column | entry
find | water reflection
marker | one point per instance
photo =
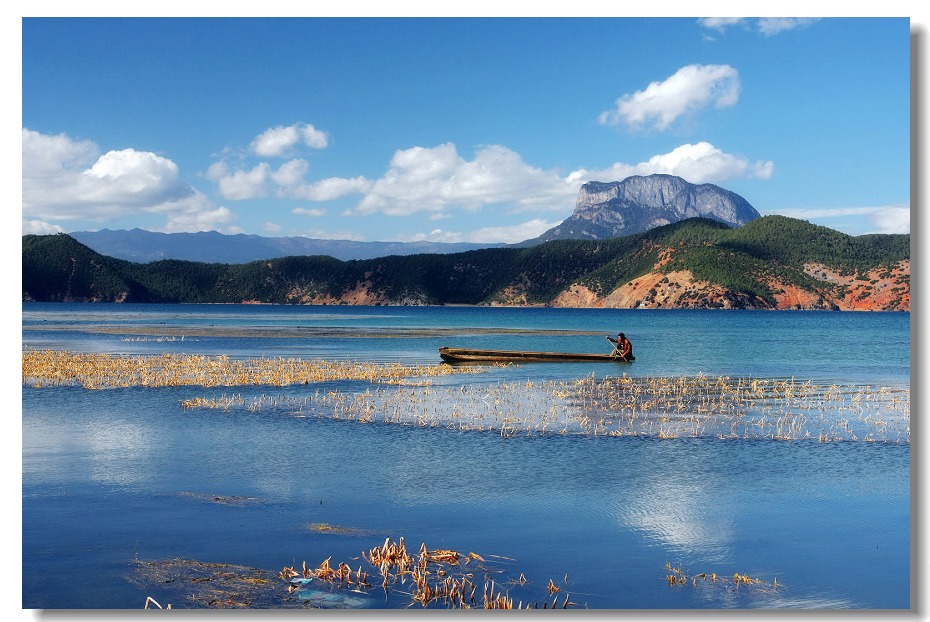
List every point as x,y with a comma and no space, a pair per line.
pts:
678,515
117,451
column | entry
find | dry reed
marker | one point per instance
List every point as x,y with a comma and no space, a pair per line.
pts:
676,576
663,408
48,368
436,577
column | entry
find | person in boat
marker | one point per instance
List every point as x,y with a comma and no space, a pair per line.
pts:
622,346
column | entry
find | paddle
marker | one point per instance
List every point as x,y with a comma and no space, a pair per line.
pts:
616,351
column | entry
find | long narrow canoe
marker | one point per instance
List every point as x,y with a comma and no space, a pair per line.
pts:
465,355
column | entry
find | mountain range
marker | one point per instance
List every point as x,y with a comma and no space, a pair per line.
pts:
602,210
772,262
144,246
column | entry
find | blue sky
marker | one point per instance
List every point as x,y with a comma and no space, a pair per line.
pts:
454,129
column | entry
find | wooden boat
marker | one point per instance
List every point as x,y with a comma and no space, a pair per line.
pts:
465,355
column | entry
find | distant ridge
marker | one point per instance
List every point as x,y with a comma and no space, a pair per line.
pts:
141,246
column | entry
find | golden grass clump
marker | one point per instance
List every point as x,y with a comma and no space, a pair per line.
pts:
676,576
431,577
45,368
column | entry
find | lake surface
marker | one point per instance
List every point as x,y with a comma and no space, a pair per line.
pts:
113,477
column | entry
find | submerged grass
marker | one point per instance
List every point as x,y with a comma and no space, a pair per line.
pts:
663,408
660,407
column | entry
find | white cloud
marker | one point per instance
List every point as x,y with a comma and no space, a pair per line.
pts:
323,234
65,179
40,227
766,26
291,173
272,227
286,182
68,180
134,177
486,235
892,220
279,141
438,179
720,23
857,220
241,184
688,90
313,137
198,219
45,157
303,211
327,189
769,26
697,163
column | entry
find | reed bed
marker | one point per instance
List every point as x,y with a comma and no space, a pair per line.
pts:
430,578
50,368
659,407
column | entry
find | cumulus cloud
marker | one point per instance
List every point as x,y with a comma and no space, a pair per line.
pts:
291,173
327,189
689,90
40,227
67,180
487,235
766,26
239,185
438,179
45,157
697,163
199,219
286,182
279,141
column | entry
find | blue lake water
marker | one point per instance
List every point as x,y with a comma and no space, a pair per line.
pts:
118,475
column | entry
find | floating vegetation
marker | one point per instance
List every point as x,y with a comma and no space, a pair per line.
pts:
430,578
220,499
49,368
676,576
336,529
663,408
206,585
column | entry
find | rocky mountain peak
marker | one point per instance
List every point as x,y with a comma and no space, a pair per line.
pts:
638,203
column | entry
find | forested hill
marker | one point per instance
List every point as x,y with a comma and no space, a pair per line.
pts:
773,262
